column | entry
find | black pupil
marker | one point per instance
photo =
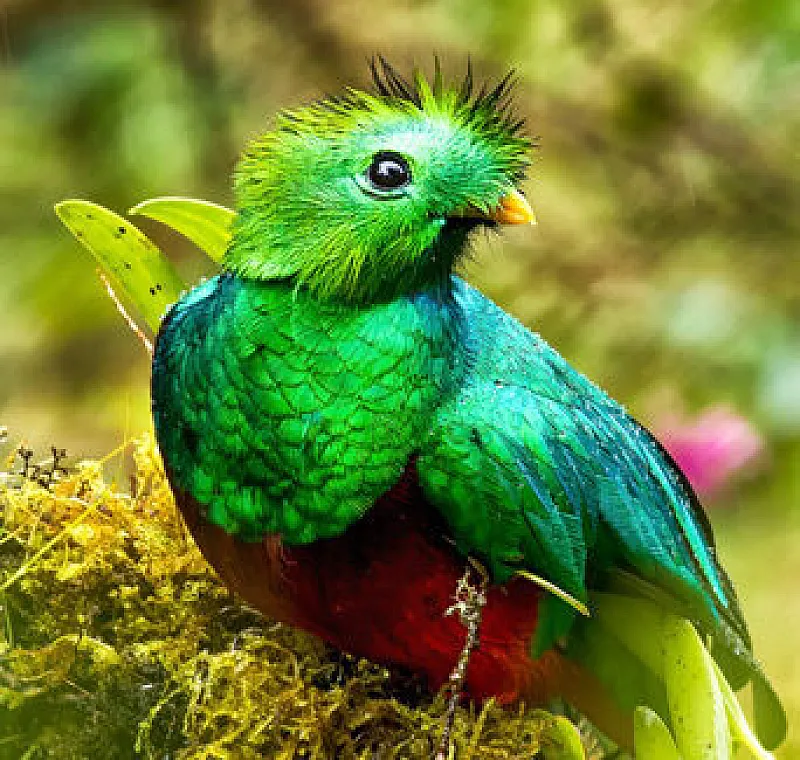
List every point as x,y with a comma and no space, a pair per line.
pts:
389,171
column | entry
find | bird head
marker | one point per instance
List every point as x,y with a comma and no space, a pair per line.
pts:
364,197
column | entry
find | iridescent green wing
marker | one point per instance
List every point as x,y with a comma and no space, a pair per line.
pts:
537,470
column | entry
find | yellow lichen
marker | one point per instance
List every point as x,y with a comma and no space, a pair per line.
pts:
120,641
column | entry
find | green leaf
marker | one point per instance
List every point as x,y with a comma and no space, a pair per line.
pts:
137,269
738,722
651,738
559,738
625,677
206,224
637,623
695,701
703,709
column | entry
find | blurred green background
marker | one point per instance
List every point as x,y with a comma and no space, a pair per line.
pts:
666,262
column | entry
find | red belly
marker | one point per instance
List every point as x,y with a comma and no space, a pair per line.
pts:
380,591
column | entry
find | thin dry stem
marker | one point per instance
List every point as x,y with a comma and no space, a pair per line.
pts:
469,603
137,331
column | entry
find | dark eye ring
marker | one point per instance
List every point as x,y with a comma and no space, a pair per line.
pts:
388,171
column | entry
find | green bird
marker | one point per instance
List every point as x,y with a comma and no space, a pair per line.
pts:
347,424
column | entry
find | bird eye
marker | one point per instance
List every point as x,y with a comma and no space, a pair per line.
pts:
388,171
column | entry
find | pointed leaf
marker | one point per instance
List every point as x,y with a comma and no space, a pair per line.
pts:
625,677
559,738
637,623
695,701
652,739
206,224
137,268
738,723
703,709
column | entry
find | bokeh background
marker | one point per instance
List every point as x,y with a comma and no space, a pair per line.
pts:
666,262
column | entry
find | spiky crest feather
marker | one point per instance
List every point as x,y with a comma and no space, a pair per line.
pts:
489,111
302,217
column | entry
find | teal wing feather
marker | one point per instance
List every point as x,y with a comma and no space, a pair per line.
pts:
536,469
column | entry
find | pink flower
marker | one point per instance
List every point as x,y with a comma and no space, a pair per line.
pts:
712,448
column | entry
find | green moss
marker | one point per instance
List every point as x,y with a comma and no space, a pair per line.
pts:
119,641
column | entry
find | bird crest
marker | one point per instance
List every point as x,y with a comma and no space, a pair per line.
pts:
363,196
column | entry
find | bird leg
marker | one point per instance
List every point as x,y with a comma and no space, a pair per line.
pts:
469,601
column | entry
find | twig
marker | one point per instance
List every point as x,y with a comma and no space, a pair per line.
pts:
137,331
469,603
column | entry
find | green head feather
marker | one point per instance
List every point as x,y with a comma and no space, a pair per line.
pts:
309,208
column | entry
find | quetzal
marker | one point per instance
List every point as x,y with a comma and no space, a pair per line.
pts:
345,422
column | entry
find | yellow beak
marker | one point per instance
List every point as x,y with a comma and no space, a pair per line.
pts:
512,209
